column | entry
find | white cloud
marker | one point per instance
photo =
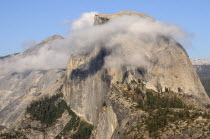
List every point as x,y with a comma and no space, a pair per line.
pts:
131,39
85,21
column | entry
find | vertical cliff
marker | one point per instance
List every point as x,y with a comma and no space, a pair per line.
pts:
89,84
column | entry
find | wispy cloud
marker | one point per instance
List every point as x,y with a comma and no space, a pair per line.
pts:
131,39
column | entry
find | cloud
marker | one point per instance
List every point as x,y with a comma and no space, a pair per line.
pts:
65,21
131,39
85,21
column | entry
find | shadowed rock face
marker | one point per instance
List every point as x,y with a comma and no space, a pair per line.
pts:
202,67
93,66
87,83
203,72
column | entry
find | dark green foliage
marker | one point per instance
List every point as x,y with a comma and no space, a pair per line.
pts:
208,106
13,135
81,128
163,108
155,100
166,89
139,81
125,76
133,81
162,117
154,123
47,110
206,115
104,104
84,131
179,90
149,99
138,91
128,87
72,124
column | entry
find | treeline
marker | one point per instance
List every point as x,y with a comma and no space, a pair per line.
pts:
46,110
50,108
12,135
81,129
155,100
162,117
149,99
163,108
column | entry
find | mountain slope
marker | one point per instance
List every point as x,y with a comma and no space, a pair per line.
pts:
19,88
201,61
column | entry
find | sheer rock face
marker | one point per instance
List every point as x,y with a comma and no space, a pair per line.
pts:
88,84
106,125
174,70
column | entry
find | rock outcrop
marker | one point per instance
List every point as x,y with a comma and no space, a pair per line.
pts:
88,84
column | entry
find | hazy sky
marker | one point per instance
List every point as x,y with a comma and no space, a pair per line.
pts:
34,20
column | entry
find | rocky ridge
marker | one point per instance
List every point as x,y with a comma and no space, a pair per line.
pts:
200,61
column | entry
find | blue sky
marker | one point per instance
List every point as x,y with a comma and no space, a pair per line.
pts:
24,20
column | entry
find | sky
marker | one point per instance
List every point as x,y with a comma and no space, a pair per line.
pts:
24,21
